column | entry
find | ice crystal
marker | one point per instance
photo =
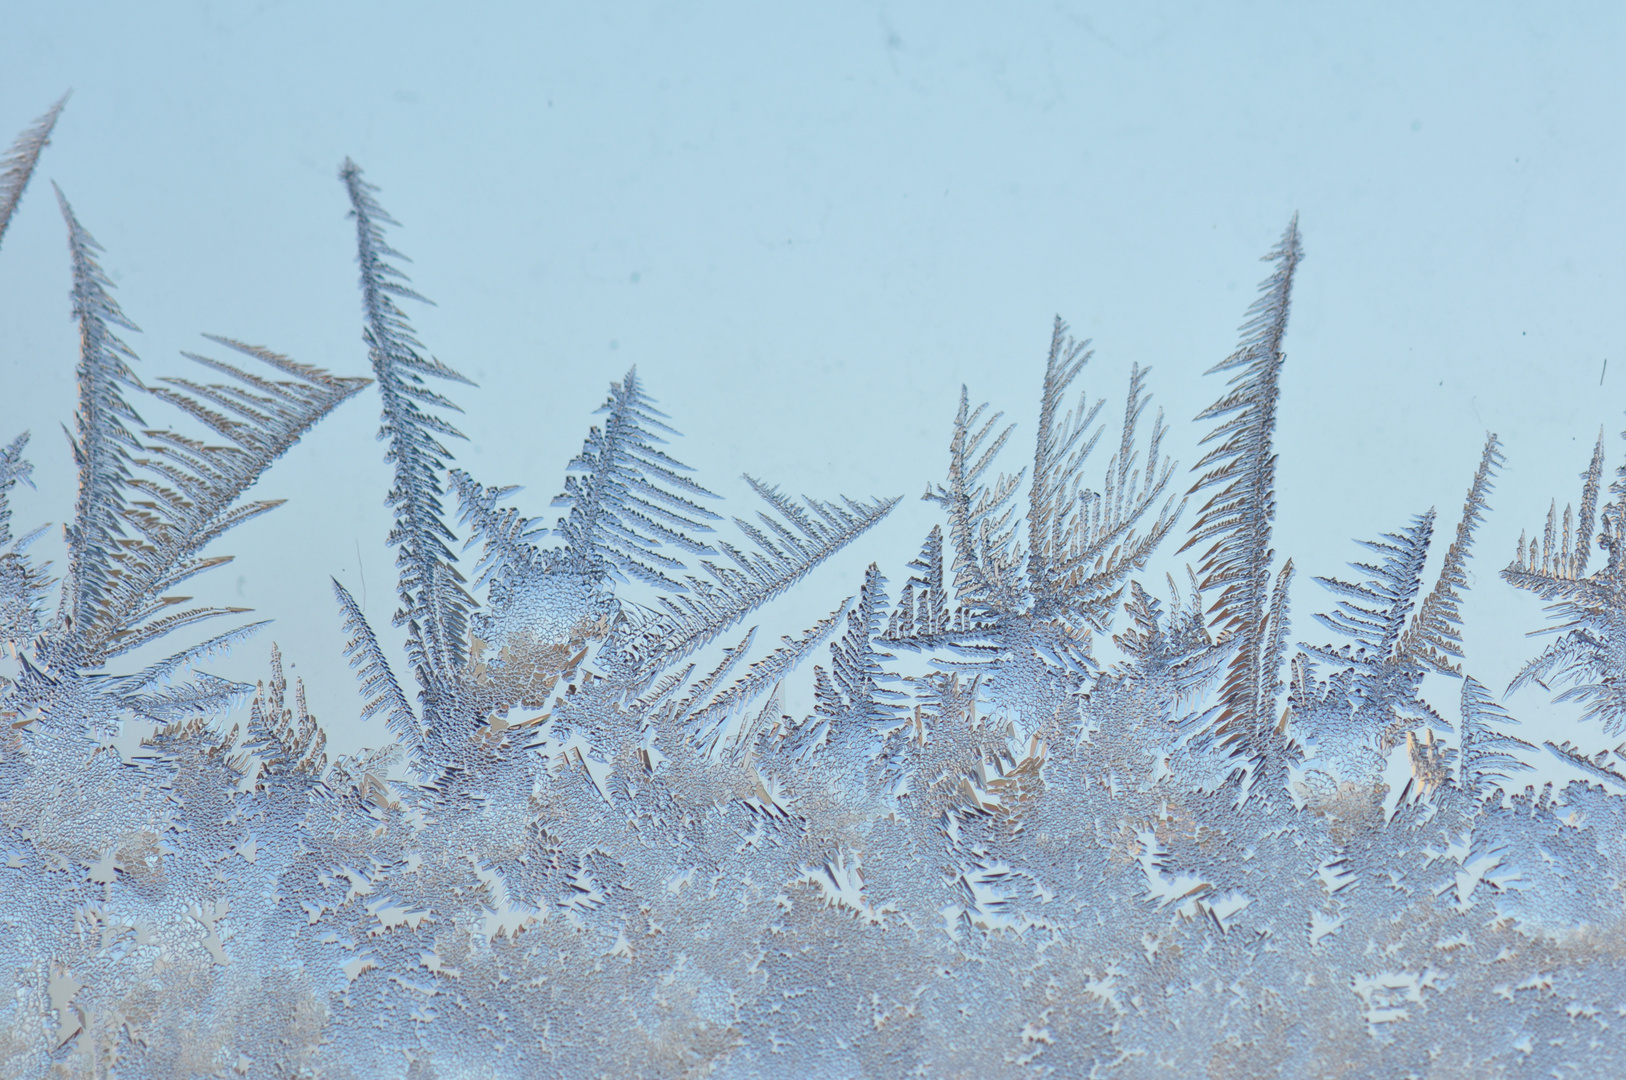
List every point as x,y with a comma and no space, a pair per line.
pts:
602,842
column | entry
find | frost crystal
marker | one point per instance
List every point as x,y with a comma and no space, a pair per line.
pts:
1040,817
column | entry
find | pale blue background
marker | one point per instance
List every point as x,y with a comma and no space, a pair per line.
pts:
808,229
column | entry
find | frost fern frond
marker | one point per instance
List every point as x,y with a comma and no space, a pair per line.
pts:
922,616
628,498
380,692
1589,610
713,679
165,669
1241,473
14,469
1434,635
434,605
509,538
103,448
1083,544
1485,753
17,166
1573,756
289,743
1374,613
206,696
787,543
190,496
854,695
710,727
141,522
986,570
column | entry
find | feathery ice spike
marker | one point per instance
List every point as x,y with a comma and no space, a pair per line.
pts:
434,604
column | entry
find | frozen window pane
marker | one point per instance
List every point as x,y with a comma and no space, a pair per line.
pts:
1186,724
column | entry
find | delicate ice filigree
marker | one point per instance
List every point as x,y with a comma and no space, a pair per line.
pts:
1032,817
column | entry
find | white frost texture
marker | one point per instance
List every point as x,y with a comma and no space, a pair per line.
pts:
602,844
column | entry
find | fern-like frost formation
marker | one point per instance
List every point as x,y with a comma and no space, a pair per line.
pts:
1042,817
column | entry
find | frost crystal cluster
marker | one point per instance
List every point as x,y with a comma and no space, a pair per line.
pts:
601,845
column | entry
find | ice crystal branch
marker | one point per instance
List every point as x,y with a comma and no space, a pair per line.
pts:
922,616
147,509
1236,520
1592,765
1383,697
788,541
1082,544
628,499
1485,754
1589,609
709,724
379,690
434,606
1059,451
508,537
187,492
288,743
102,450
855,697
13,468
1055,585
1175,645
1374,613
17,166
165,669
207,696
980,516
1375,700
1434,635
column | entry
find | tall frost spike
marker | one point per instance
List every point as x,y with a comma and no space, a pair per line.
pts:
1236,520
628,498
434,604
17,167
1434,636
102,444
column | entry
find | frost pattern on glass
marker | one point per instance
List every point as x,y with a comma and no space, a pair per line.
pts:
599,844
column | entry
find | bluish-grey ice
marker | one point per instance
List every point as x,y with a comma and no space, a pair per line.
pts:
1015,807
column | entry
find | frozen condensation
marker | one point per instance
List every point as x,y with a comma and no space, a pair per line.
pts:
600,845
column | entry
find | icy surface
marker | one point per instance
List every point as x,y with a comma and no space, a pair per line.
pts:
601,845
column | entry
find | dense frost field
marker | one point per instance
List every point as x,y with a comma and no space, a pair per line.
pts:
1043,812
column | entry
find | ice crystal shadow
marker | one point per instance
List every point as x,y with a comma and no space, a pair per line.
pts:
987,850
